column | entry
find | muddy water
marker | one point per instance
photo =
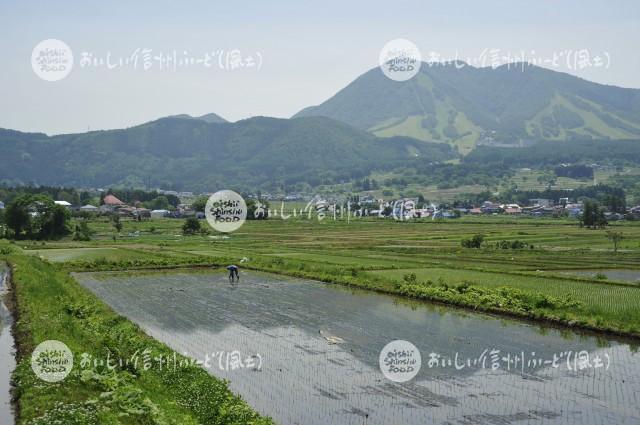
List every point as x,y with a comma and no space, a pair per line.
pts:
7,351
306,379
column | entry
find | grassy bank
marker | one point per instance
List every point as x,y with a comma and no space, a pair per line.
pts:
49,304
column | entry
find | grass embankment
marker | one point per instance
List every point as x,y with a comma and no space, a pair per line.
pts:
49,304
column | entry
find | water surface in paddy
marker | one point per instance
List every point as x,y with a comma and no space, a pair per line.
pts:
304,379
7,350
613,274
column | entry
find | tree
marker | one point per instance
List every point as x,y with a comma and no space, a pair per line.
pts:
116,223
592,215
257,210
17,215
36,216
200,203
82,232
615,238
474,242
616,204
52,220
159,203
191,226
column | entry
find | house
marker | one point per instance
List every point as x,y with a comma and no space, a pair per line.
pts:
185,210
489,207
540,202
540,211
423,212
475,211
140,213
126,211
159,213
112,201
65,204
443,214
610,216
573,210
89,208
513,210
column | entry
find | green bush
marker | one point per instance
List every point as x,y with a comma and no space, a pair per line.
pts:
474,242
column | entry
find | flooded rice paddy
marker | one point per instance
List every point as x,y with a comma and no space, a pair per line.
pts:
318,346
7,350
613,274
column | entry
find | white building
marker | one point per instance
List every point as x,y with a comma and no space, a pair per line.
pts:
89,208
159,213
63,203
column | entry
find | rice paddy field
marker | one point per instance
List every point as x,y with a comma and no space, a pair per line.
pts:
560,259
320,298
319,344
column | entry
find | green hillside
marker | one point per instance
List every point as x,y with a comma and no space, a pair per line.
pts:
197,155
467,106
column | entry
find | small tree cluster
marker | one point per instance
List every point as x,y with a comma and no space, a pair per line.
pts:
36,217
191,226
516,244
82,232
474,242
615,238
593,216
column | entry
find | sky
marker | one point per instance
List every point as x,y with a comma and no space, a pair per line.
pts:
302,52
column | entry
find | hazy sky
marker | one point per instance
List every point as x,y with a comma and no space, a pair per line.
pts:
309,50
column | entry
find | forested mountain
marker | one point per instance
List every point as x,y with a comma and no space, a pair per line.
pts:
194,154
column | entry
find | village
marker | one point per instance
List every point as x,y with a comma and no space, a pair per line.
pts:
187,205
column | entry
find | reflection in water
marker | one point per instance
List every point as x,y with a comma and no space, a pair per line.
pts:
306,379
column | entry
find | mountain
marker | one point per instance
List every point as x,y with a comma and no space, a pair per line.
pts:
210,118
465,106
197,155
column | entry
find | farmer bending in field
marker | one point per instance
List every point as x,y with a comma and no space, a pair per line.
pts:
233,273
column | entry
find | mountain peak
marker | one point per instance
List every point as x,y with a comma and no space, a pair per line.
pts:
465,106
210,118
